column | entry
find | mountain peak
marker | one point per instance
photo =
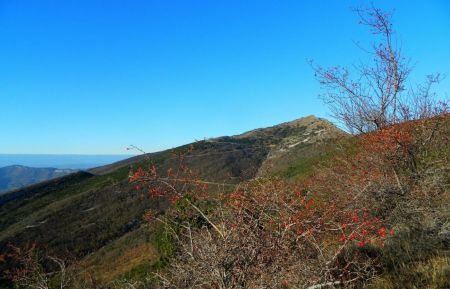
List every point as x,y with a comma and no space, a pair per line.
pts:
310,123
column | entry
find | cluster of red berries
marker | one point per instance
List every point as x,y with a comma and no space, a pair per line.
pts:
363,229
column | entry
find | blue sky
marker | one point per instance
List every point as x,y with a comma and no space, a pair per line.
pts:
92,77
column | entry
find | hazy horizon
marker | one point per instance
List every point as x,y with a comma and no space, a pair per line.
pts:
60,161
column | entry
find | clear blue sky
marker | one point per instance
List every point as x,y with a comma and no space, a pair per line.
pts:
95,76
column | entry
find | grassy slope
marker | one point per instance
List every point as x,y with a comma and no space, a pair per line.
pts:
21,203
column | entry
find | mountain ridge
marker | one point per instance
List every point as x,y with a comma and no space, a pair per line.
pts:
310,122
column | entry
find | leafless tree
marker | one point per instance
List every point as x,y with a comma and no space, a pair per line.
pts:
374,95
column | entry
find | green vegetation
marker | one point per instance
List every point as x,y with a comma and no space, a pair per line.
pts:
304,167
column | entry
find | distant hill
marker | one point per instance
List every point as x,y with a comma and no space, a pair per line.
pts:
15,177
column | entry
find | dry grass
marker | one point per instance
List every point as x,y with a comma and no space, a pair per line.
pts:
431,274
121,257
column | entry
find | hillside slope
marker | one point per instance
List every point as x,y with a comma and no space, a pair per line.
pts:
85,212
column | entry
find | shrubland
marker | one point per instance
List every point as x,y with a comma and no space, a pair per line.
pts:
371,212
378,207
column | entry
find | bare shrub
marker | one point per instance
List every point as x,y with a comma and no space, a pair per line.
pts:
35,270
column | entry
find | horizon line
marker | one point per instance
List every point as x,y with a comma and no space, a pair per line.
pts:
64,154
